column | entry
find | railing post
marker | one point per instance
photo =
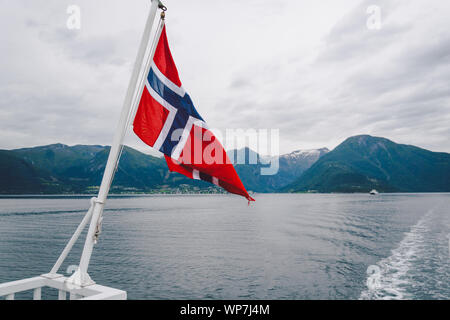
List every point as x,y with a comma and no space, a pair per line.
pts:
74,296
37,294
35,285
62,295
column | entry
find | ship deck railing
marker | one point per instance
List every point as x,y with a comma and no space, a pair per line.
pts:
59,282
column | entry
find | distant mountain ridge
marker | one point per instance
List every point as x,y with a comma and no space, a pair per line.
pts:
362,163
291,166
59,168
359,164
297,162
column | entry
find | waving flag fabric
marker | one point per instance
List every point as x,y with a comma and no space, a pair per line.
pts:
167,120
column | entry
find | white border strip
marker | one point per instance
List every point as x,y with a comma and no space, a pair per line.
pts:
172,86
196,174
169,122
170,118
176,153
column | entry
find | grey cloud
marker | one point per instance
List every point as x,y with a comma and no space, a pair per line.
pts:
240,83
93,50
248,70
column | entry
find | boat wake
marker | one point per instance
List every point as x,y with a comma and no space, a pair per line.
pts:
389,279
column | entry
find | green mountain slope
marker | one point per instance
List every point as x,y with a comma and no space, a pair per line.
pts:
18,176
359,164
362,163
59,168
79,169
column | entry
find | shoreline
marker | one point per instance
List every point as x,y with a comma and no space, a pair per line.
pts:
127,195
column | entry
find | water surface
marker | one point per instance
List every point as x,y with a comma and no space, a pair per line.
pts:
284,246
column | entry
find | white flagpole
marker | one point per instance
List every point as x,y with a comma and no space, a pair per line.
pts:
116,147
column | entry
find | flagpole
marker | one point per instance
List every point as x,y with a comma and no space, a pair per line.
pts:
116,148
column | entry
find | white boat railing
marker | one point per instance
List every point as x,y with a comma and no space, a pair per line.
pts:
65,289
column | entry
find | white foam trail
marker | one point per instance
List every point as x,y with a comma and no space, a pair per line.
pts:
391,281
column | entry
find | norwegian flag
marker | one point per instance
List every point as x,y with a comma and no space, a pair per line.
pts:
167,120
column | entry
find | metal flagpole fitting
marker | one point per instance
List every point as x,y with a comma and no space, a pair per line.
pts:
98,230
162,6
163,10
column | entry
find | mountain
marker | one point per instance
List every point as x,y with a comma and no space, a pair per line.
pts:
18,176
359,164
59,168
362,163
291,166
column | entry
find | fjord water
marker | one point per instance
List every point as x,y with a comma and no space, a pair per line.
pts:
284,246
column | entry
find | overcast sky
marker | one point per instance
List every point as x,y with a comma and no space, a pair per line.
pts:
312,69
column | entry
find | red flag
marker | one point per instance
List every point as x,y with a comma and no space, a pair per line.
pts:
168,121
